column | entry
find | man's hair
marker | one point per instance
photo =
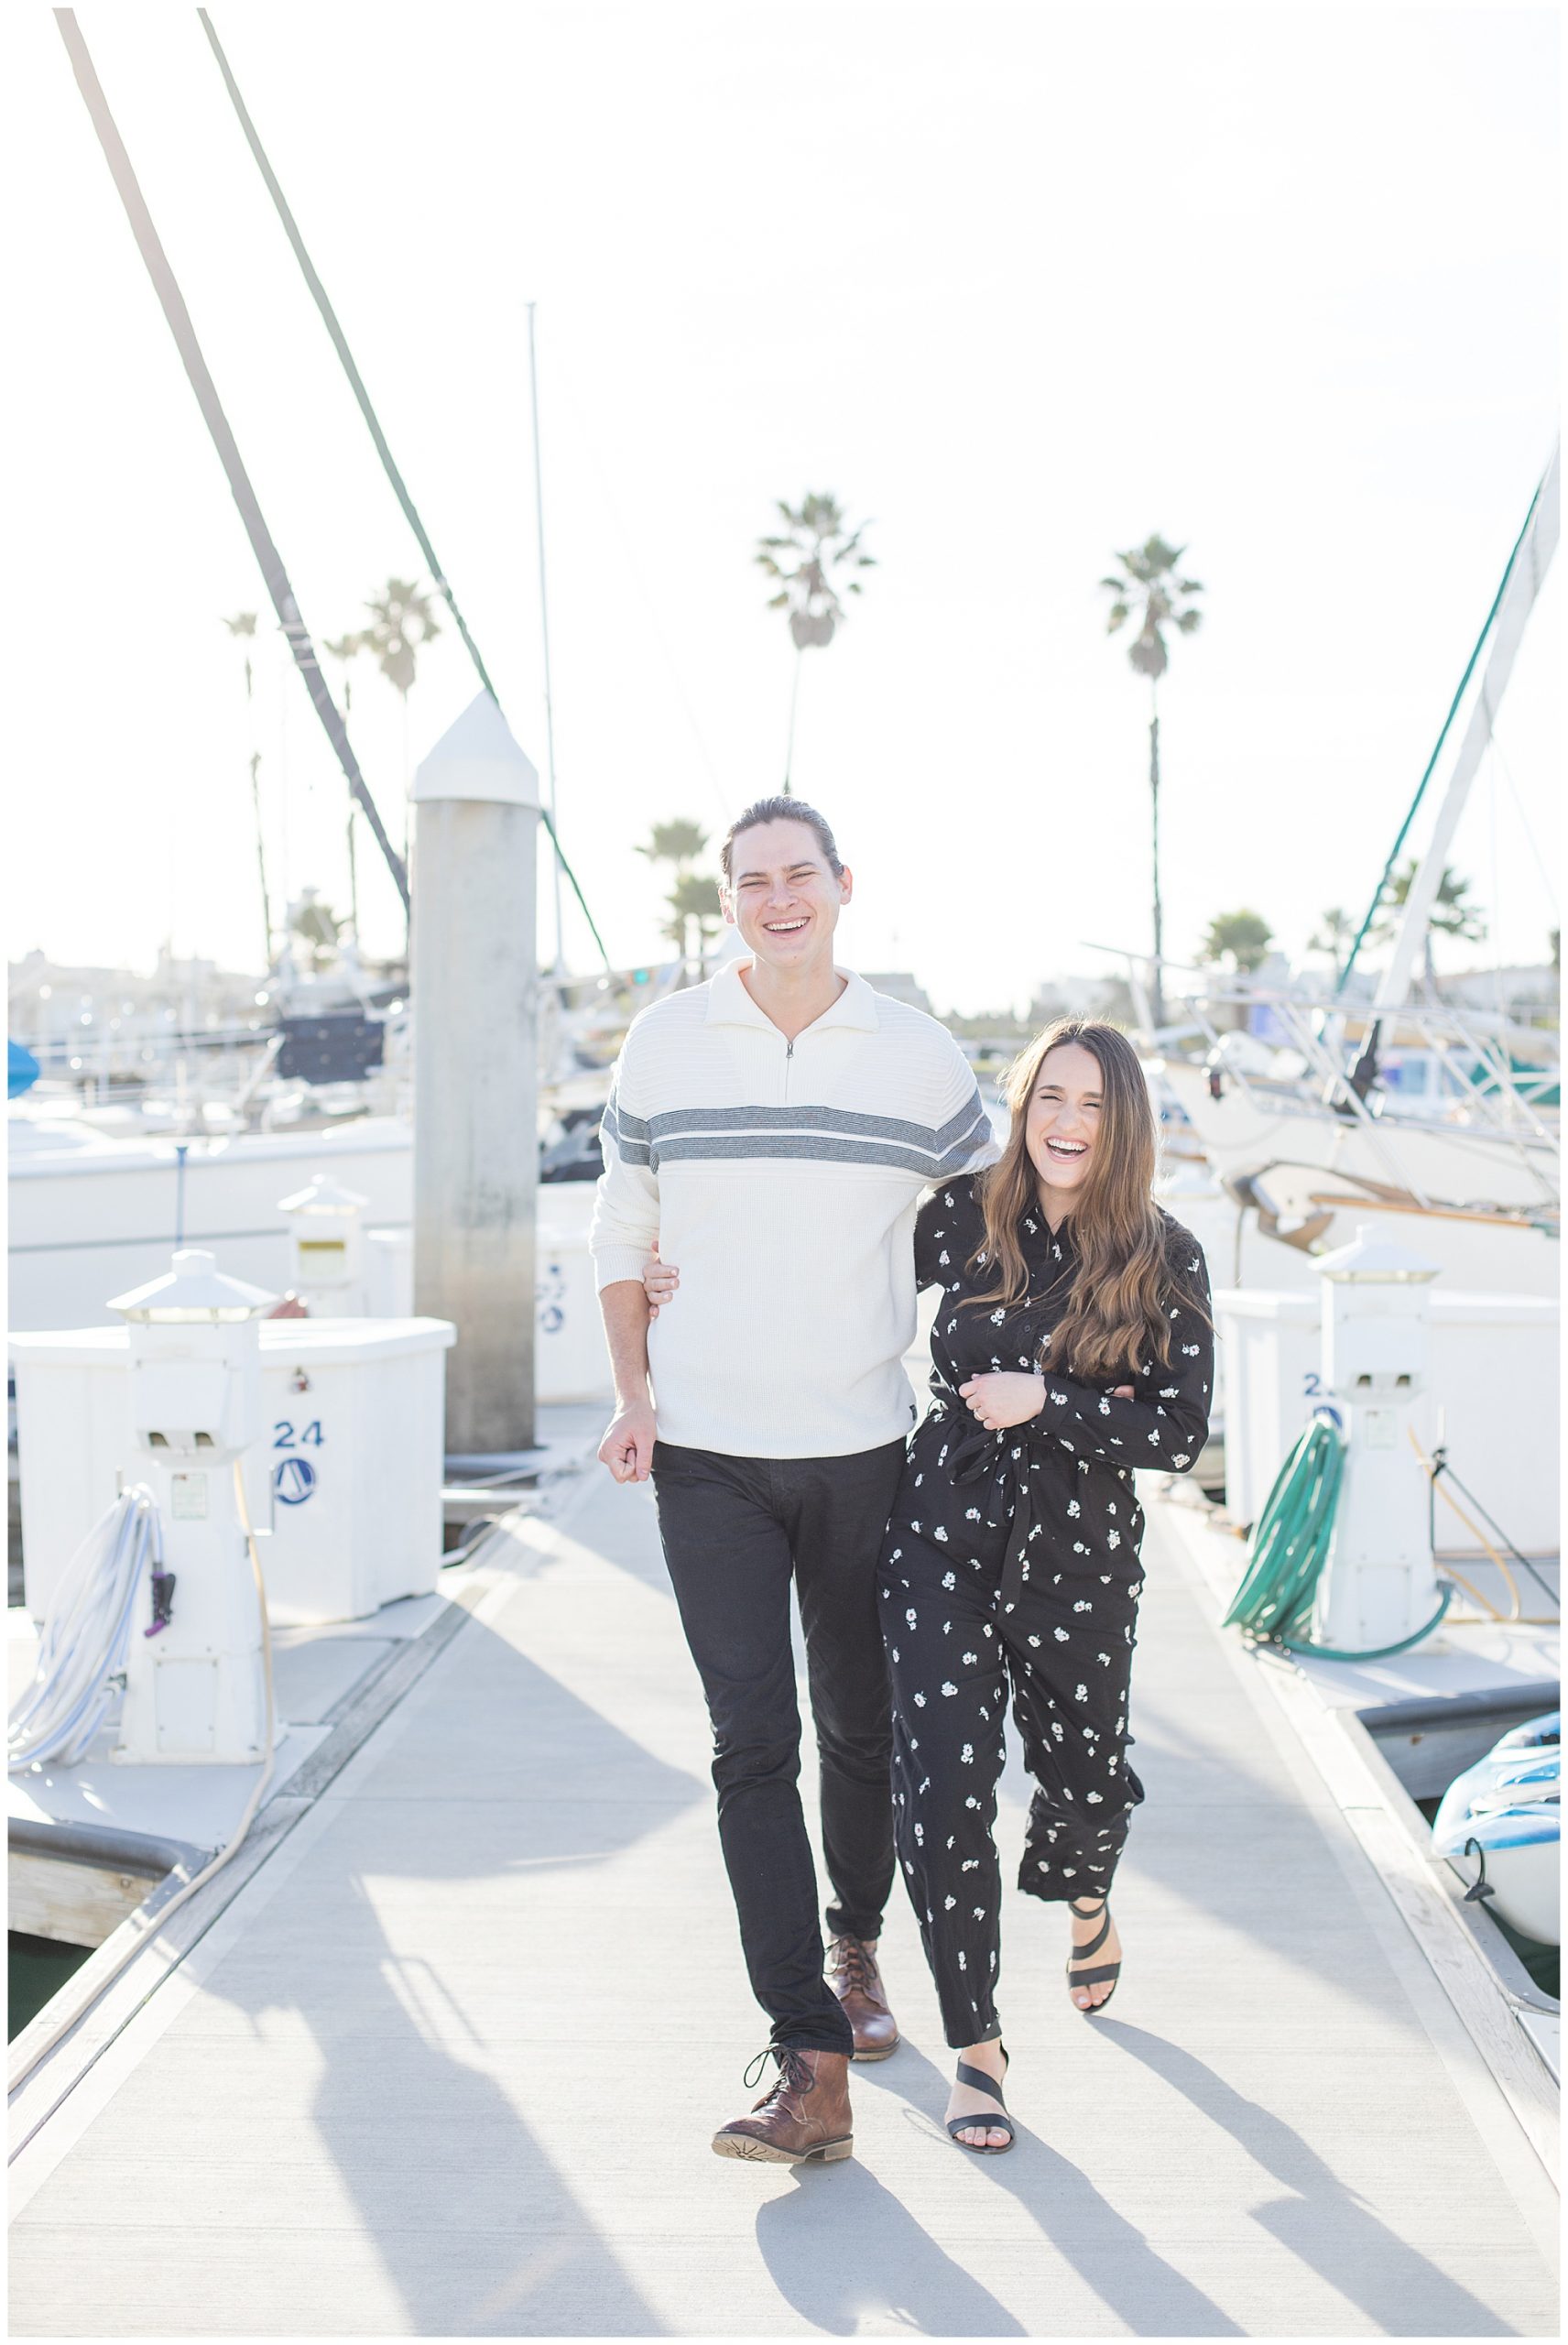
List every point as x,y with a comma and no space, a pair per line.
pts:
780,810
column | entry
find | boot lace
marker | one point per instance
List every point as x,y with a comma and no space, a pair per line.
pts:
794,2075
850,1956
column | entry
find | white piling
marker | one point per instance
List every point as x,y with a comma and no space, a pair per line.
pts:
474,982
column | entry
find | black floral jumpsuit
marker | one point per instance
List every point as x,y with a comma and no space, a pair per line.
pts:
1015,1556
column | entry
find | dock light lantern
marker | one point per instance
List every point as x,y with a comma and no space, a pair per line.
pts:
324,1226
1378,1586
195,1689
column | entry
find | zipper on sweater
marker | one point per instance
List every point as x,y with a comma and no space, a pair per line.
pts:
788,1061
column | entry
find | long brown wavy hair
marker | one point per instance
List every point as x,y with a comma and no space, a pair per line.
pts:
1116,1305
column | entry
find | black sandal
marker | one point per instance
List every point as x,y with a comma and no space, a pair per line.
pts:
1076,1977
978,2081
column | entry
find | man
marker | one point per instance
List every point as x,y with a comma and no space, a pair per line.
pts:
773,1131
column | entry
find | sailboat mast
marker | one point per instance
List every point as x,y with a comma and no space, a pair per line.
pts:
544,632
1527,574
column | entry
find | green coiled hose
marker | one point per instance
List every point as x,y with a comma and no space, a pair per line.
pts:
1290,1546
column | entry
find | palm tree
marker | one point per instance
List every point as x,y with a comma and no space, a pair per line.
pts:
817,543
315,924
401,623
1242,937
242,626
1450,915
343,648
1148,576
677,842
694,896
1335,930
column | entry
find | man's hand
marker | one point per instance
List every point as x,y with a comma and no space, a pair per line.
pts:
1005,1399
659,1281
628,1447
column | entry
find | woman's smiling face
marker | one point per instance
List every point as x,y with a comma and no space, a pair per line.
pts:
1063,1122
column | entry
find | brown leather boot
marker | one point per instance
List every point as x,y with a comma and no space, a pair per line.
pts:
803,2118
853,1975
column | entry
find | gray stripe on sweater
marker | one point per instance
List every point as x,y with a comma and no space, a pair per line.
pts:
821,1148
845,1121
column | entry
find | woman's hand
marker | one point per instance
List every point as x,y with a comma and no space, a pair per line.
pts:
659,1281
1005,1399
1001,1401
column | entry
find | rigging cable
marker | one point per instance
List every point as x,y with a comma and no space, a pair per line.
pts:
217,423
388,464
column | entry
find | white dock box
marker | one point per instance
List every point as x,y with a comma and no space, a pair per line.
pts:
347,1487
1492,1384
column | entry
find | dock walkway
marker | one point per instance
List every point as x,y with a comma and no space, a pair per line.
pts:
449,2063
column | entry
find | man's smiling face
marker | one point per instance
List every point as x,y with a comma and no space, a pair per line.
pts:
784,897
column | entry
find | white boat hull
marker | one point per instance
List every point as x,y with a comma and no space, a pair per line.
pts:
1528,1882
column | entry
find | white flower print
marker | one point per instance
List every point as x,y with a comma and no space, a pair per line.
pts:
909,1616
966,1756
920,1701
1074,1510
1061,1636
1113,1538
1079,1693
948,1688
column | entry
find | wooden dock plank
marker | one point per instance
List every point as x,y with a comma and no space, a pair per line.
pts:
376,2110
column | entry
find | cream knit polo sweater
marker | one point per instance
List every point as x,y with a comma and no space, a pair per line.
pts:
782,1180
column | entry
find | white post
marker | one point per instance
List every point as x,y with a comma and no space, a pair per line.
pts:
195,1689
1378,1586
475,979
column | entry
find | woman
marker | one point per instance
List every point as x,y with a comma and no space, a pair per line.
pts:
1072,1343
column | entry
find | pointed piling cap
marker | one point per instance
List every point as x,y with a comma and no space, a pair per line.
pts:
1374,1261
322,1194
477,758
194,1292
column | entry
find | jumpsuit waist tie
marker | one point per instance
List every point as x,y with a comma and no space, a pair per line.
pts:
974,1455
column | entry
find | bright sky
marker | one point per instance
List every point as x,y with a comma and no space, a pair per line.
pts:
1020,284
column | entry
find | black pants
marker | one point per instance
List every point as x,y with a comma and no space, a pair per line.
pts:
735,1530
952,1645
